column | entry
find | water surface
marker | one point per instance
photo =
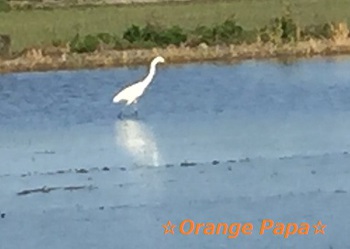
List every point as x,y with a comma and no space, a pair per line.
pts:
195,112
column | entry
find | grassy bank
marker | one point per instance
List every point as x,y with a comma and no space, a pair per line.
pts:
40,27
41,60
73,38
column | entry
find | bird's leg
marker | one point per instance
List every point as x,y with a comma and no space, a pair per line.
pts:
121,113
135,108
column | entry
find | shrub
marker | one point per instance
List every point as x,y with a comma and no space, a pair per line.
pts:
151,33
5,45
106,38
203,34
289,29
320,31
57,42
155,35
4,6
174,35
271,33
281,29
143,44
249,36
120,43
88,44
133,34
228,32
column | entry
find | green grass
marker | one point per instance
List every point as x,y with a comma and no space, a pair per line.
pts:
40,27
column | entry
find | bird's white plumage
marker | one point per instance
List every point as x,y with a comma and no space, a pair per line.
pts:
131,93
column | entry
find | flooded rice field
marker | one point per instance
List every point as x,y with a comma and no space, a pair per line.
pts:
212,143
199,113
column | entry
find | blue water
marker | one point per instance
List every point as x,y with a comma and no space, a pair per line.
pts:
195,112
263,110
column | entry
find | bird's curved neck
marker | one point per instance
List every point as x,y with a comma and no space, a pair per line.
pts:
151,73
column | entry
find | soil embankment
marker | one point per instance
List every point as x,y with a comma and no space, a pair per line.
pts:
61,59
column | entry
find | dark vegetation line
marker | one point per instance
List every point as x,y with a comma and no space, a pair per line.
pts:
280,30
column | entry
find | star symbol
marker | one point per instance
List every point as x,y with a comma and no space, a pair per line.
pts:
319,227
169,228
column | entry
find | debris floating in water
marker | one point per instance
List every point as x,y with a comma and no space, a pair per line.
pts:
187,164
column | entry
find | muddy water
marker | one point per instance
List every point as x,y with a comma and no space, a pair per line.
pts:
196,112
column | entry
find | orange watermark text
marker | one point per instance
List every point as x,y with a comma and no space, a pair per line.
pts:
233,230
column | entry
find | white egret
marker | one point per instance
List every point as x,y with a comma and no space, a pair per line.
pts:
132,92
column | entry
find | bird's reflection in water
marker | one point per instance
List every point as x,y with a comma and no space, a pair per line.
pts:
136,137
